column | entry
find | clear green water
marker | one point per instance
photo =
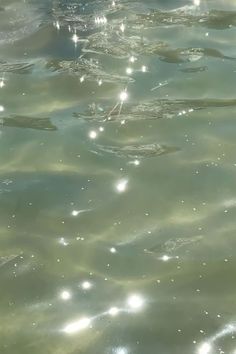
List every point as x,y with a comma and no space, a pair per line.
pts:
117,177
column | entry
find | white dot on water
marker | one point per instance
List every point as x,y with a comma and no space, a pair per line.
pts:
113,311
75,38
1,108
123,96
205,348
65,295
75,212
135,302
122,185
122,27
92,134
144,68
129,71
86,285
77,326
165,258
132,59
113,250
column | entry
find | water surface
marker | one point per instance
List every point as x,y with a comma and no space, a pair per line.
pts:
117,177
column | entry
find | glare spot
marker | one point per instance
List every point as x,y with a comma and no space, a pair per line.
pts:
197,2
82,78
92,134
65,295
120,350
57,25
123,96
77,326
135,302
205,348
75,212
86,285
99,82
2,83
129,71
75,38
113,250
113,311
63,242
100,20
122,27
132,59
144,68
165,258
101,129
122,185
1,108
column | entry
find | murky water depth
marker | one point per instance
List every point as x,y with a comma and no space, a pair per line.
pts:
117,177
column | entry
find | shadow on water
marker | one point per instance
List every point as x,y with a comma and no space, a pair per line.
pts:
28,122
156,109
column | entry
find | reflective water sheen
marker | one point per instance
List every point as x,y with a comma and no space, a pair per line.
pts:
117,176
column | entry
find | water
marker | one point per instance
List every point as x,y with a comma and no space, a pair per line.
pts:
117,185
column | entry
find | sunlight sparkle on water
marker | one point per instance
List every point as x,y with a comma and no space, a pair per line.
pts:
65,295
113,311
129,71
113,250
1,108
197,2
75,38
144,69
86,285
122,185
120,350
123,96
75,212
205,348
2,83
165,258
135,302
122,27
77,326
93,134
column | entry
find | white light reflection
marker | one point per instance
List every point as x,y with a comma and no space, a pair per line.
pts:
135,302
86,285
205,348
75,212
132,59
197,2
93,134
100,20
1,108
165,258
57,25
113,311
63,242
120,350
144,68
75,38
65,295
2,83
113,250
129,71
122,27
77,326
122,185
123,95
